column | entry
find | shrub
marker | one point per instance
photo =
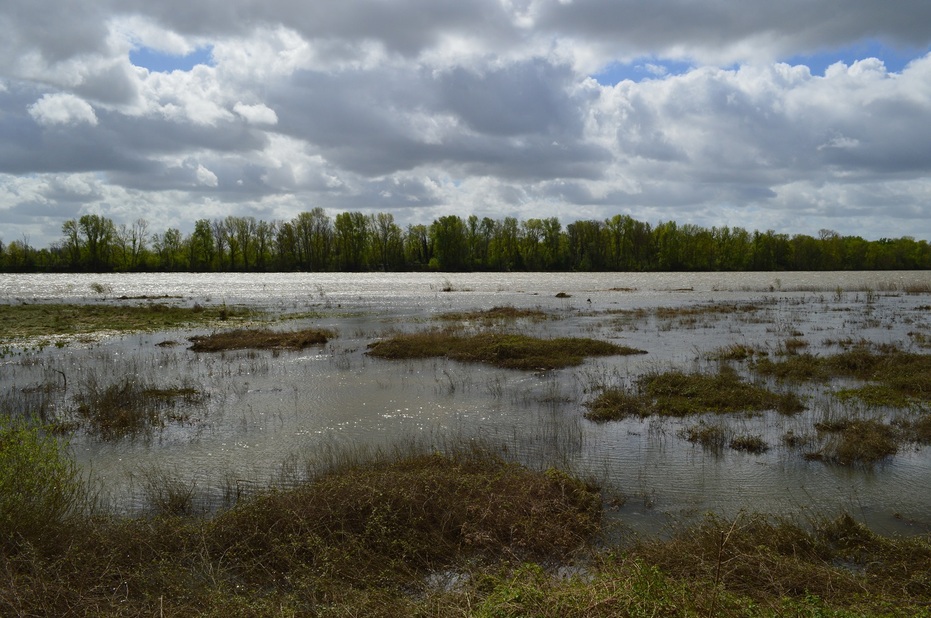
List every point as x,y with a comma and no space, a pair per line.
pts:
40,488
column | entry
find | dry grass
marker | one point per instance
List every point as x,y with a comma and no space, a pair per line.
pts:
511,351
259,339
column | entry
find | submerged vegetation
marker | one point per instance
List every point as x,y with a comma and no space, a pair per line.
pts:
510,351
131,407
20,322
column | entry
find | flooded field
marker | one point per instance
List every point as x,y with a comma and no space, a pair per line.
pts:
227,422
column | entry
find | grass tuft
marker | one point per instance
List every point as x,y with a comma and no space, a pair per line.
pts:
674,393
511,351
855,442
259,339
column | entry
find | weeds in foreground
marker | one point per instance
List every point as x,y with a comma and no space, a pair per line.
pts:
41,492
465,533
511,351
674,393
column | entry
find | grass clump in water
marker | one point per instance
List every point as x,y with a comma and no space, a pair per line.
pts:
511,351
503,313
855,441
259,339
896,378
131,407
30,321
675,393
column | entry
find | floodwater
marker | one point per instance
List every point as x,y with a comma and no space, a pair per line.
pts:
268,412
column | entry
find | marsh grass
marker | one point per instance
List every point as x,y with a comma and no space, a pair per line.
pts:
735,352
132,407
827,568
504,313
713,438
510,351
360,539
896,377
455,534
30,321
749,443
855,441
676,393
259,339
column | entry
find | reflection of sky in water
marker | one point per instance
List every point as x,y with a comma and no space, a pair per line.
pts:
265,409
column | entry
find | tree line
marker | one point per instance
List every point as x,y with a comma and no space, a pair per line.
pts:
353,241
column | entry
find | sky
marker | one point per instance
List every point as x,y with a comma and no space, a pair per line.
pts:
795,116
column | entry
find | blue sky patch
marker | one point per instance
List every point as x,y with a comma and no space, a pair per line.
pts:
640,70
895,58
159,62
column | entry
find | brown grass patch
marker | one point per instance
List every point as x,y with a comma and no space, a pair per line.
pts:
511,351
259,339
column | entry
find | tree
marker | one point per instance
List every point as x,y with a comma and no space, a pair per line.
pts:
450,244
351,236
585,245
417,247
313,235
220,239
98,238
72,242
201,246
168,249
386,242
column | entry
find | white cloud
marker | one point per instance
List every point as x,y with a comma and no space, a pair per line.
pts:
206,177
62,109
338,103
256,114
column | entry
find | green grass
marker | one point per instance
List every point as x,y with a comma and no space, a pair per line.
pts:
511,351
675,393
34,321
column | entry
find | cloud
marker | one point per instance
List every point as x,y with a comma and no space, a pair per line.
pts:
430,107
256,114
62,109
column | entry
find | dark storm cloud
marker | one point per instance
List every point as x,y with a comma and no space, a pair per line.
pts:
777,28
